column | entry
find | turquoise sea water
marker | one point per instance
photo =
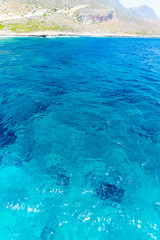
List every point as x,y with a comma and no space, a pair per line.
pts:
79,139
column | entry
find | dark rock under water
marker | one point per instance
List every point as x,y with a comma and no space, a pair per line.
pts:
47,233
7,136
107,191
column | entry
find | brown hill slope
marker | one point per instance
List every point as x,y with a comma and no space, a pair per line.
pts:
96,16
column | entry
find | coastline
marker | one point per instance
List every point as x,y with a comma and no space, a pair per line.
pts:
52,34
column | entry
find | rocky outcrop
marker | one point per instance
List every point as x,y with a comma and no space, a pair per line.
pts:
97,18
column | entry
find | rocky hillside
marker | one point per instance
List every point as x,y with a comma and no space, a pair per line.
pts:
93,16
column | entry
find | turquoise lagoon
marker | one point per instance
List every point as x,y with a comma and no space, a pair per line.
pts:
79,139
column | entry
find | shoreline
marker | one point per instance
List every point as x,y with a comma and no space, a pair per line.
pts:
52,34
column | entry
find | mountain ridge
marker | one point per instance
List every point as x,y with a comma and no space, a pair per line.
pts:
144,11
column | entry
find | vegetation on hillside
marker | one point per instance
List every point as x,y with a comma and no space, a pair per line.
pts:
72,16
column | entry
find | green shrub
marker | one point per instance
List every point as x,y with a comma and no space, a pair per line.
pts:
1,26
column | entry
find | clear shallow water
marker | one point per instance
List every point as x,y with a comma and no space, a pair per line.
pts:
79,139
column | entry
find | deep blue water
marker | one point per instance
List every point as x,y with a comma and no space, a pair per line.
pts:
79,139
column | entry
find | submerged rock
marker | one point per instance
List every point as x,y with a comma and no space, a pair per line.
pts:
146,132
47,233
7,136
63,179
110,192
59,173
